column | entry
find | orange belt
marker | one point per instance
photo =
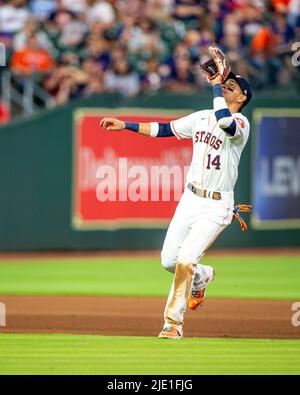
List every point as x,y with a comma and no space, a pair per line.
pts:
204,193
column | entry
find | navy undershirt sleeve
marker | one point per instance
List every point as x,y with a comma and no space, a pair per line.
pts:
133,126
164,130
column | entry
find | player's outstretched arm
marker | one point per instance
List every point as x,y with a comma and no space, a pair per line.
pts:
116,124
152,129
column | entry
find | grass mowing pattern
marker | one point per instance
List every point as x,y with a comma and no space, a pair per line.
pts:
248,277
76,354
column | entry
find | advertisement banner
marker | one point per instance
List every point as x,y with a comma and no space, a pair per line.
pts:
276,176
122,179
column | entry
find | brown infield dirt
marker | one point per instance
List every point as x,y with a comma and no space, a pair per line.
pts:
129,316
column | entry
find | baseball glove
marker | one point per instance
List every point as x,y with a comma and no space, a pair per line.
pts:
217,65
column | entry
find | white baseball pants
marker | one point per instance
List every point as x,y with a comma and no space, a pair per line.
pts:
196,224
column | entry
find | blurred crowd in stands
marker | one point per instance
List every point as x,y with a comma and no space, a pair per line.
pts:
74,48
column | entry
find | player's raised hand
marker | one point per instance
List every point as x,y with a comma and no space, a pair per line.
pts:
112,124
217,80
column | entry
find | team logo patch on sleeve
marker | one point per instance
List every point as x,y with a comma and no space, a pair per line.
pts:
241,122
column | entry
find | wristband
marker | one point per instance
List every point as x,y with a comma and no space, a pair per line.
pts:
217,89
132,126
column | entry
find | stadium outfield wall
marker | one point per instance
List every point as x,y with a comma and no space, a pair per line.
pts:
36,199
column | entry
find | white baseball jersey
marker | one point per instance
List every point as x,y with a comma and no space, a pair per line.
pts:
216,154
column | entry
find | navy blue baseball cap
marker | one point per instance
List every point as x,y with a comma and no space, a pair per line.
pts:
243,84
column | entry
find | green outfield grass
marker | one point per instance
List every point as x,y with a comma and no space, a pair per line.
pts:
74,354
237,277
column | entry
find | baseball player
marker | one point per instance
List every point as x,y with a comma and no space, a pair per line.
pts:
206,207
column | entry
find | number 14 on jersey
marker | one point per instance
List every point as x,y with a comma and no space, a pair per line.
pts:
213,162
